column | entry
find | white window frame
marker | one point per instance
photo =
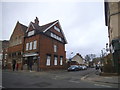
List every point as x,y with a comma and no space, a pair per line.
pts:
52,35
48,60
56,28
30,47
55,48
31,33
1,57
56,36
27,46
61,60
35,44
55,60
5,56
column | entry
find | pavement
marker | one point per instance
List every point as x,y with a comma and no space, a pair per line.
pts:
95,77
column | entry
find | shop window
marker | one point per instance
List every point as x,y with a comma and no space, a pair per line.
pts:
34,44
55,60
61,60
30,48
48,60
27,45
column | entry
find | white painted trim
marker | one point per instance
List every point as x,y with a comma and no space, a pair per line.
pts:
62,32
50,27
30,54
29,26
60,28
33,26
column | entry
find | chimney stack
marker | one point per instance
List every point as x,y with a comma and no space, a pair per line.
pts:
36,21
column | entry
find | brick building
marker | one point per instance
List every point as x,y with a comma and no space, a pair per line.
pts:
3,53
44,46
39,47
15,50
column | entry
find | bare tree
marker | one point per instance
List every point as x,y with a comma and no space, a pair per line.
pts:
90,57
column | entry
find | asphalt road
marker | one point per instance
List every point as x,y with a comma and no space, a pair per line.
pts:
49,79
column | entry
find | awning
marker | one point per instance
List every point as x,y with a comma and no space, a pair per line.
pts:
30,54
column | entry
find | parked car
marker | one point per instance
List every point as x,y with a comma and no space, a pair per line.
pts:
82,67
73,68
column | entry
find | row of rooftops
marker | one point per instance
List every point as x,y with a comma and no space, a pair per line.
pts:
38,28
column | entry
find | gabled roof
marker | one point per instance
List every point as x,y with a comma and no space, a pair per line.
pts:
41,28
78,58
24,28
46,27
49,25
77,55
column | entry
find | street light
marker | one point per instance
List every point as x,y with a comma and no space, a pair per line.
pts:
103,53
102,58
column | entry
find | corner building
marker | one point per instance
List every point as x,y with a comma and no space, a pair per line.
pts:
44,46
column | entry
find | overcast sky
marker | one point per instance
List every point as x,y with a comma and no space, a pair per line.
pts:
83,23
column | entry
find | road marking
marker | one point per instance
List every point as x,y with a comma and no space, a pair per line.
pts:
102,85
84,77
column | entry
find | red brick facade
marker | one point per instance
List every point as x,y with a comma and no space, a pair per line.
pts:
45,46
41,47
15,49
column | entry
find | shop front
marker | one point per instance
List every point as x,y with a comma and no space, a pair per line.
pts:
30,61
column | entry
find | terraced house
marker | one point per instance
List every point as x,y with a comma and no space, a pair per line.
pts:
42,47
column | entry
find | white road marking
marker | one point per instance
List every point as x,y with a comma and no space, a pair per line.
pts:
84,77
102,85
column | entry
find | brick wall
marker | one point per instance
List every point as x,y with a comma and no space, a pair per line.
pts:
47,47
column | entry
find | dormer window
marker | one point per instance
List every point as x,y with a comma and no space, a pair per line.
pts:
31,33
56,37
56,28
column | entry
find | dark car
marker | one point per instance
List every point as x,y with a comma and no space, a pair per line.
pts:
82,67
73,68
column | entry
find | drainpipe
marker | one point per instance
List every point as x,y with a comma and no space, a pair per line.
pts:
38,53
23,51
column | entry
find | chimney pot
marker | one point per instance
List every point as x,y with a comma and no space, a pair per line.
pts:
36,20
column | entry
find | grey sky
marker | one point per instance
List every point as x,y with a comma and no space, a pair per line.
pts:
82,22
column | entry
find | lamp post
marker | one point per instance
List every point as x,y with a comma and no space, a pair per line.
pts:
102,57
103,53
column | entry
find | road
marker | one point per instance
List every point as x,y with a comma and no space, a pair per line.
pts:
50,79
